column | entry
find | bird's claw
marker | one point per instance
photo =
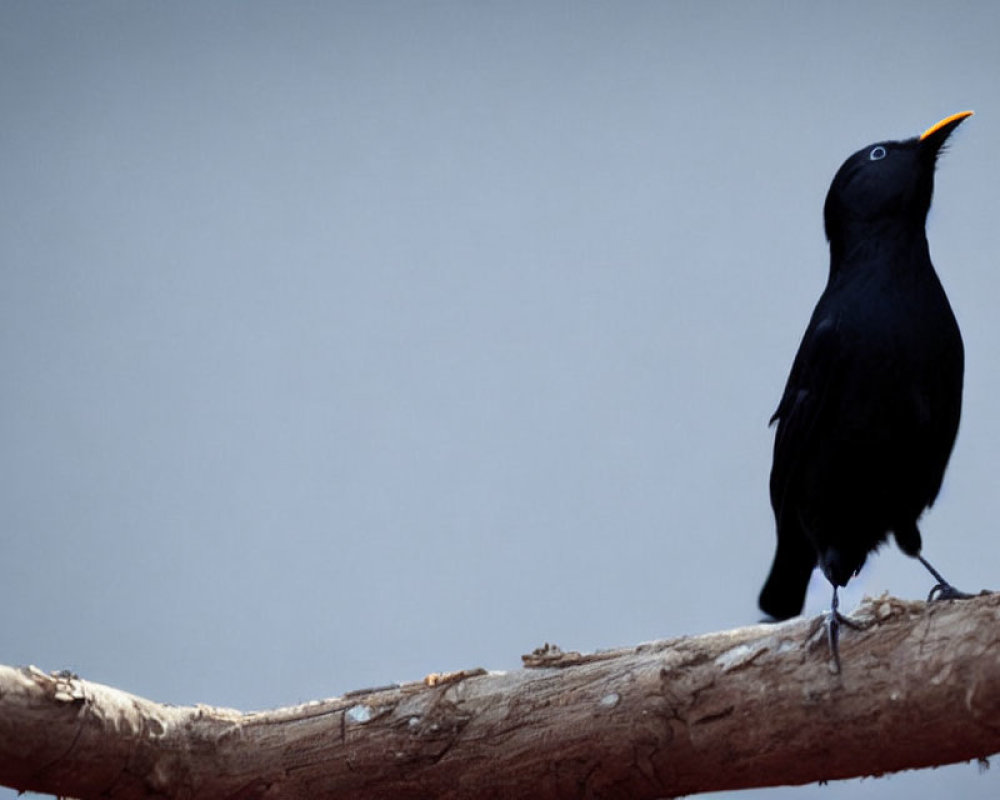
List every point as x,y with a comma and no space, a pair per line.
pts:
853,624
945,591
833,623
833,639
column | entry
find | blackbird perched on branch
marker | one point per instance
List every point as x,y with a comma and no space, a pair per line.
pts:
870,412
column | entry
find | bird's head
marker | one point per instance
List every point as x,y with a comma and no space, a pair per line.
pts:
886,185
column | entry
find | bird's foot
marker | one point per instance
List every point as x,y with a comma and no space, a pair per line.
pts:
833,639
850,622
942,589
945,591
833,623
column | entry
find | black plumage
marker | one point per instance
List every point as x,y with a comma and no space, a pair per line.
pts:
871,408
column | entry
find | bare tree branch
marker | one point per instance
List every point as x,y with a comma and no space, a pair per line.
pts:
755,706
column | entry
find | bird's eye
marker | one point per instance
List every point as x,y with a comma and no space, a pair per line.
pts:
877,153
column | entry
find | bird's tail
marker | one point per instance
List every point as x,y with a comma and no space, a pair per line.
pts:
784,591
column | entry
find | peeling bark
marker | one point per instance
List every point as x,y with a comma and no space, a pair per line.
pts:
756,706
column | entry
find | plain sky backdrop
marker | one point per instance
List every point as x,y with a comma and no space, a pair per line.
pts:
346,342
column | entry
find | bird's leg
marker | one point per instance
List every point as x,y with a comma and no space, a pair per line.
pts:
942,590
837,619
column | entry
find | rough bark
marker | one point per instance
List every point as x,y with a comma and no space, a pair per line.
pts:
755,706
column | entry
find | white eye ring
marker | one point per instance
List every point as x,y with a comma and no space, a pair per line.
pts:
877,153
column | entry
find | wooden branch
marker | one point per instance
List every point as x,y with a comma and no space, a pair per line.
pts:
756,706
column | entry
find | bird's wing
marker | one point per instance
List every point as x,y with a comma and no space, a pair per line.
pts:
816,373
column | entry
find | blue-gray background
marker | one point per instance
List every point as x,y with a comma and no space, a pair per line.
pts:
343,343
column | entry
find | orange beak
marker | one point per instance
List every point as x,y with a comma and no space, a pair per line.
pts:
946,121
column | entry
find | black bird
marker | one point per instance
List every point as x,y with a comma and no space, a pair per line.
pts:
871,408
